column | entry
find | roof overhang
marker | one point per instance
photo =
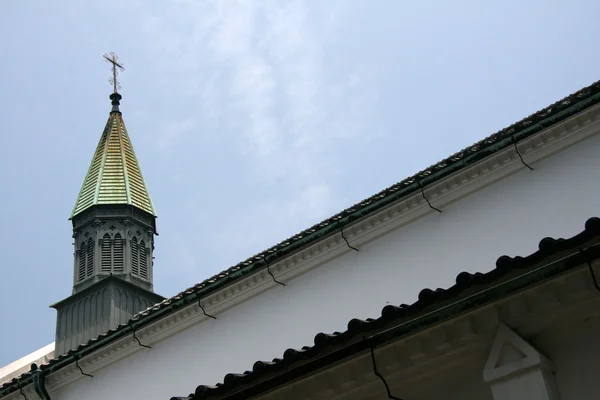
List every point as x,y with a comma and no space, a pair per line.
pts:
114,211
105,281
22,365
473,307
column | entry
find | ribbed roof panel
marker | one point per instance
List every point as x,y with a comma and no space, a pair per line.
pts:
114,176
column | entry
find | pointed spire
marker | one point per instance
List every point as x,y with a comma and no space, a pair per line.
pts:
114,176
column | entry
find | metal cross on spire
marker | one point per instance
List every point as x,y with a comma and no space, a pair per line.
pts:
116,67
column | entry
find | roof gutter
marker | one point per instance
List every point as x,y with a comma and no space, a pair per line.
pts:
39,382
426,179
504,143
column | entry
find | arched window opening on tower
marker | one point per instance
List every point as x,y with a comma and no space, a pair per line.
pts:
143,260
82,259
118,254
90,258
139,259
106,259
135,266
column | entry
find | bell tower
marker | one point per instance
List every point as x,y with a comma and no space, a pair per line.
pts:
114,221
114,224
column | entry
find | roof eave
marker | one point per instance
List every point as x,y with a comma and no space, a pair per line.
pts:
512,275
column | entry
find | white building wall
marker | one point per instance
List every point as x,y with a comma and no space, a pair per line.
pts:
509,217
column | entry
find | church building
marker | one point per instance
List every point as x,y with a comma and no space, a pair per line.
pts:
476,278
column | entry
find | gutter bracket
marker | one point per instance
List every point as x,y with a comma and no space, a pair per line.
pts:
79,368
346,240
270,273
519,153
21,390
387,388
136,338
426,199
202,308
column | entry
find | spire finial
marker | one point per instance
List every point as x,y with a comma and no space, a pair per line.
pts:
115,98
116,67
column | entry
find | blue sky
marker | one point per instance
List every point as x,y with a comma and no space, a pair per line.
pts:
252,120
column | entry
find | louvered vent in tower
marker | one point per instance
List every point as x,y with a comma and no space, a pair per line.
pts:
90,258
135,267
143,261
118,254
105,262
81,272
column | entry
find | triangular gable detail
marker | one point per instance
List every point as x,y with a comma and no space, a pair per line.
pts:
511,354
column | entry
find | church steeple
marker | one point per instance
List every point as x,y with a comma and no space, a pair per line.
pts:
114,224
113,218
114,176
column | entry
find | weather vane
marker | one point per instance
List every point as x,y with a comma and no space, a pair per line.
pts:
116,67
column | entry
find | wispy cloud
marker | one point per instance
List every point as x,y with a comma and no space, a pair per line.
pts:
272,221
173,130
262,63
257,75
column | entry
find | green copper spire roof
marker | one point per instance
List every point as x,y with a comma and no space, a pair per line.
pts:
114,176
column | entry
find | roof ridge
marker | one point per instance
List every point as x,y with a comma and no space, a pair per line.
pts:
106,144
136,164
120,129
82,189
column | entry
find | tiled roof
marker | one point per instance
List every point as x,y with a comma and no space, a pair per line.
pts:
114,176
554,257
498,141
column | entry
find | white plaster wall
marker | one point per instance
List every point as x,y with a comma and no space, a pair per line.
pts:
509,217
